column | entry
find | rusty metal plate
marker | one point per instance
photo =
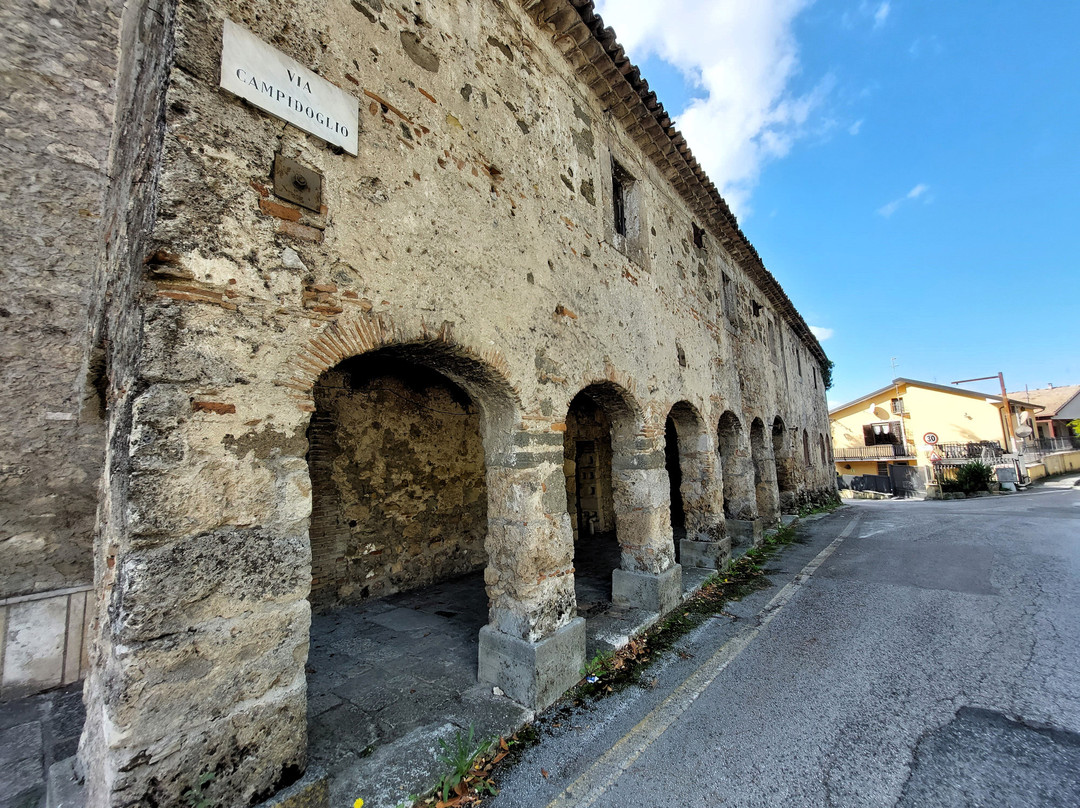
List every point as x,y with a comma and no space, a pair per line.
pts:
297,183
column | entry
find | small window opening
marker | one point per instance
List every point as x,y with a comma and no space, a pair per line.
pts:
756,308
897,406
699,236
620,185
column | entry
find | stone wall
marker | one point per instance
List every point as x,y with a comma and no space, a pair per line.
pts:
58,91
398,497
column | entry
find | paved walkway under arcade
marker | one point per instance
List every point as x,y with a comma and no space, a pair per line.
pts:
389,678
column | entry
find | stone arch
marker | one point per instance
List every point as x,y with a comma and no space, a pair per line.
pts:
784,457
483,374
695,483
398,447
615,478
765,489
737,475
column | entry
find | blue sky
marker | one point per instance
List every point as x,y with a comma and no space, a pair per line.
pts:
909,171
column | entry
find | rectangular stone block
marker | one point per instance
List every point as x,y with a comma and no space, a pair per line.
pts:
744,532
653,592
533,673
704,554
34,646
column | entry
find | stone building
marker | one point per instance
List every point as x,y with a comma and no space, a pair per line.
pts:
252,373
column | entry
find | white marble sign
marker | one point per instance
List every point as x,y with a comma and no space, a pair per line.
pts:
286,89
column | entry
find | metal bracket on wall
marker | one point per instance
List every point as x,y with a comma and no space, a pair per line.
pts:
297,183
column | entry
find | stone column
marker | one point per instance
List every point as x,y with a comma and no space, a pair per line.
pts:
649,578
706,544
740,499
768,495
534,645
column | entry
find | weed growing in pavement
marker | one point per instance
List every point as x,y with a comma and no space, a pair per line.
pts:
596,666
460,755
471,764
738,579
827,507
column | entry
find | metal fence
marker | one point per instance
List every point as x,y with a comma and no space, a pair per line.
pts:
988,451
871,482
1043,446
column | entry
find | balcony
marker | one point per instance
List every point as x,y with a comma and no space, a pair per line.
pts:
883,451
987,451
1039,447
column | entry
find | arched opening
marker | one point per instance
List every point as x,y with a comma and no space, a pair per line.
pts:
785,470
806,449
675,479
765,492
738,480
399,446
590,492
697,510
398,493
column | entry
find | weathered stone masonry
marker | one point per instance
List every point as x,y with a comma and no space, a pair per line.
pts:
309,407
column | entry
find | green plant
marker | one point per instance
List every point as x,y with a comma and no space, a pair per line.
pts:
826,373
951,486
597,666
194,795
460,755
974,476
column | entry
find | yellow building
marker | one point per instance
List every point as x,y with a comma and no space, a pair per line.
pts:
915,423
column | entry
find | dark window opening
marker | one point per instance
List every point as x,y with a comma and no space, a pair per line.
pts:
881,434
699,236
756,308
620,185
883,469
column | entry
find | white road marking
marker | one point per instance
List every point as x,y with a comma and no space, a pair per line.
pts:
594,781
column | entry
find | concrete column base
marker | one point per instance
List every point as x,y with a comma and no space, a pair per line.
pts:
744,532
533,673
704,554
652,592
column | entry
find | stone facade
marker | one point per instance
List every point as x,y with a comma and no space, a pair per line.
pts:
315,405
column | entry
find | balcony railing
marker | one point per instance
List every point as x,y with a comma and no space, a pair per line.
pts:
986,450
883,451
1045,446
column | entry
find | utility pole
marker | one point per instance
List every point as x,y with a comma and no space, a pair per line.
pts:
896,389
1010,435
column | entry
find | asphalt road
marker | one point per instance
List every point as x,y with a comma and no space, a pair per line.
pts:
909,654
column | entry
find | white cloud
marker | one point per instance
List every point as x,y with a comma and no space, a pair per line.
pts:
743,57
881,14
856,127
890,208
821,332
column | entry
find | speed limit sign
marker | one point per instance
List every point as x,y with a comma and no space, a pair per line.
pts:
930,438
